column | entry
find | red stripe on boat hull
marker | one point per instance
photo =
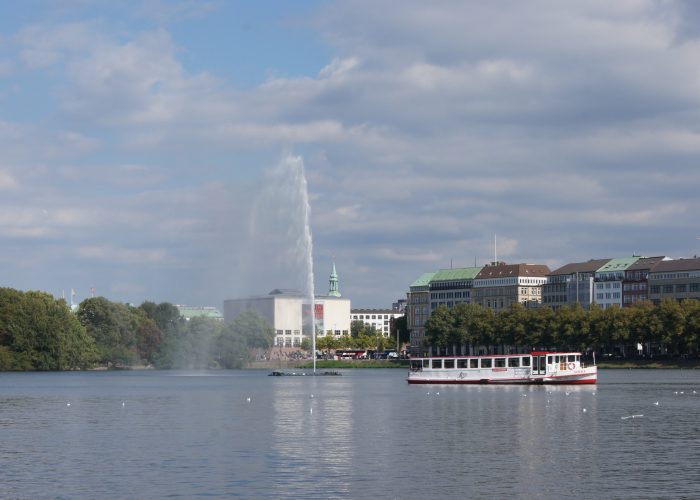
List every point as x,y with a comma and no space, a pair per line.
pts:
503,382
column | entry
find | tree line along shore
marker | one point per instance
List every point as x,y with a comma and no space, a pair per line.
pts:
669,331
39,332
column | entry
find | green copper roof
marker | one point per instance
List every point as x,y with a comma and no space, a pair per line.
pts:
617,264
424,280
460,273
333,289
207,312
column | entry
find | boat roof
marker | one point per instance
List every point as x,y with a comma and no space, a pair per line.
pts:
533,353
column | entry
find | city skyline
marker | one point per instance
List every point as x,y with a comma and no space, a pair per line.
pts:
140,141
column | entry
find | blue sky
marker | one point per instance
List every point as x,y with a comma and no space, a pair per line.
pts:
143,144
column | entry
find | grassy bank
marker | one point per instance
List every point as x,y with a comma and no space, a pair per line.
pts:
689,364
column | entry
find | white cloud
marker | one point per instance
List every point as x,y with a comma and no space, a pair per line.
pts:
559,126
108,253
6,181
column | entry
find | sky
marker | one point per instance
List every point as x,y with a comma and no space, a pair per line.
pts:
152,150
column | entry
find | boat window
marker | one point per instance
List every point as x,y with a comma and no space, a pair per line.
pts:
437,363
449,363
462,363
514,362
572,358
500,362
578,358
549,360
486,363
525,361
473,363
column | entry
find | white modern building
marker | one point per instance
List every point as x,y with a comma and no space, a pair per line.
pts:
288,313
380,319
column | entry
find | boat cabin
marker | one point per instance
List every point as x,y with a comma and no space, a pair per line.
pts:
540,363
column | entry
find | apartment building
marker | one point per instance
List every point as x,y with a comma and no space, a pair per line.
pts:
572,284
675,279
500,285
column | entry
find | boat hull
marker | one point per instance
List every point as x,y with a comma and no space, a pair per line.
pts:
582,376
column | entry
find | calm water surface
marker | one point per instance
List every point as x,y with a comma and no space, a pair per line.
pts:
365,434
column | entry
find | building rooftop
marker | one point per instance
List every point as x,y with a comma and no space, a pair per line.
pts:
503,270
580,267
286,291
459,273
645,263
375,311
424,280
620,264
188,312
677,265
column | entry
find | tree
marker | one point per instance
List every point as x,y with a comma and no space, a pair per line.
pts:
400,325
691,330
112,326
254,329
671,316
38,332
356,328
438,327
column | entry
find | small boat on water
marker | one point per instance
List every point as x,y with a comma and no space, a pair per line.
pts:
533,368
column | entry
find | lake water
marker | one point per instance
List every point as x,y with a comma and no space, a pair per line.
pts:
365,434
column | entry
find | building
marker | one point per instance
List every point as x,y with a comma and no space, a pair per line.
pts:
635,285
418,310
449,287
189,312
608,281
288,313
399,305
572,284
500,285
380,319
675,279
332,315
283,309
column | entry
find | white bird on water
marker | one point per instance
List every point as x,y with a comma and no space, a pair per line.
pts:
656,404
67,404
248,399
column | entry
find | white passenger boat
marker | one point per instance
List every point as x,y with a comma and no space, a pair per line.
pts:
533,368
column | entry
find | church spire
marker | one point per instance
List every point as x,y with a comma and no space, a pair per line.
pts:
333,290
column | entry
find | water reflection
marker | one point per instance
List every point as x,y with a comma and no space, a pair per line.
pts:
366,434
312,431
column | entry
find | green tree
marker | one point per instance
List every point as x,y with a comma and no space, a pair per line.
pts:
113,327
254,329
400,325
691,329
39,332
671,316
438,327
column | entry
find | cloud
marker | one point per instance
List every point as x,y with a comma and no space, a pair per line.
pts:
567,128
6,181
123,255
